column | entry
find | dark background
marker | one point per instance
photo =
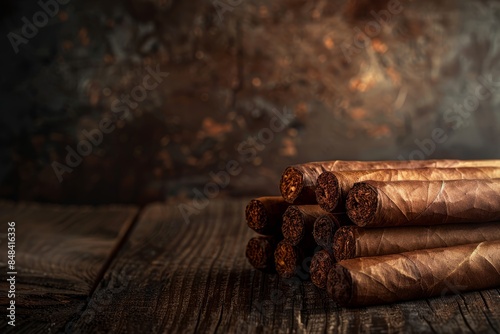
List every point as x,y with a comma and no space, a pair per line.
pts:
229,72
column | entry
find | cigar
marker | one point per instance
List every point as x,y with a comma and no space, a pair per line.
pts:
263,214
324,230
260,253
419,274
353,241
298,182
332,187
321,264
291,260
378,204
298,223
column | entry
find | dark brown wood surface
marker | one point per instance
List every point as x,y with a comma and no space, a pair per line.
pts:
61,254
172,276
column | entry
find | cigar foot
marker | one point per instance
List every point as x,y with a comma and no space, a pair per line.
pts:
339,285
260,253
286,258
321,264
256,216
344,244
361,204
323,232
327,191
291,184
293,225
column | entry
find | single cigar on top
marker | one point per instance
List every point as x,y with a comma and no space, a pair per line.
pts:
332,187
260,252
298,182
263,214
353,241
321,264
298,223
378,204
418,274
293,260
324,230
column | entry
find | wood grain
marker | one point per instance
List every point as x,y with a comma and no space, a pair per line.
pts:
61,253
175,277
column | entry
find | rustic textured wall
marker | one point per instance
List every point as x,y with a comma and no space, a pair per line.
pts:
421,84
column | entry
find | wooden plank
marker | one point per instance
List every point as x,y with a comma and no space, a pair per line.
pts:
61,253
193,277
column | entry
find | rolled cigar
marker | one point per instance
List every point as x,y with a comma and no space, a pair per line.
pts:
419,274
291,260
260,253
353,241
324,230
321,264
264,214
378,204
332,187
298,223
286,258
298,182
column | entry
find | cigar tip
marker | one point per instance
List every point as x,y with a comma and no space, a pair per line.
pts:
339,285
293,225
321,264
323,231
344,243
327,191
291,184
361,203
259,253
255,214
286,258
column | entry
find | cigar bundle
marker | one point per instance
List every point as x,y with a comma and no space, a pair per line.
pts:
373,232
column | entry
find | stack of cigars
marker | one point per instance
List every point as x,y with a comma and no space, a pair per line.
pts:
378,232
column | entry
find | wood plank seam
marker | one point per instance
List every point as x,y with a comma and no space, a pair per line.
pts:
68,327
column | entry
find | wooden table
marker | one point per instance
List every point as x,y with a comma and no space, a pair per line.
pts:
115,269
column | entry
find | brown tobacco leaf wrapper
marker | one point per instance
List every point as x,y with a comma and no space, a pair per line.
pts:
293,260
332,187
264,214
324,230
414,275
321,264
353,241
298,182
298,223
260,253
378,204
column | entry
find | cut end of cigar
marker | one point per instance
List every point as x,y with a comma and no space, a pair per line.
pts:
361,204
260,253
344,244
286,258
291,184
255,214
321,264
293,225
327,191
324,230
339,285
